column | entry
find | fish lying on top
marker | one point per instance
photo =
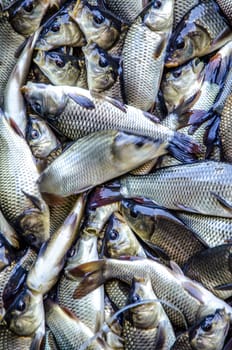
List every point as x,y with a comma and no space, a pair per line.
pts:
208,334
75,113
25,16
144,52
225,130
202,188
96,158
202,31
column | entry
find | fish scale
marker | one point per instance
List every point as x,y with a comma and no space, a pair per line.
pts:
181,8
9,340
225,129
127,10
226,7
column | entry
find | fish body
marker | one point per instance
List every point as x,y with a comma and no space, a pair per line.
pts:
9,340
144,53
8,232
181,8
225,127
199,33
225,6
95,159
21,203
49,341
126,10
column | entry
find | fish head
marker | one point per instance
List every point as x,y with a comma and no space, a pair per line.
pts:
44,99
134,150
40,137
181,83
6,253
98,26
211,332
102,69
25,15
60,69
159,15
187,42
119,239
26,313
142,316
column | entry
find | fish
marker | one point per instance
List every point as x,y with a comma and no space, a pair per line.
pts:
90,309
61,69
224,130
180,10
10,41
146,326
144,53
226,8
126,10
120,240
209,334
212,230
8,232
41,278
212,268
49,341
9,340
40,137
103,71
97,24
17,110
202,31
60,30
96,158
69,332
171,285
21,204
176,187
158,227
25,16
6,253
54,104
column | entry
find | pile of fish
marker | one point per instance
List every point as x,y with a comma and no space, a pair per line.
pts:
116,174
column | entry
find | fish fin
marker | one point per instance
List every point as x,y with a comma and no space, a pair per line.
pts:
68,145
227,286
152,117
111,100
193,290
20,48
161,335
16,127
41,164
157,250
105,195
82,101
183,148
176,268
226,205
225,33
197,117
36,201
13,286
185,208
38,337
161,47
211,135
98,323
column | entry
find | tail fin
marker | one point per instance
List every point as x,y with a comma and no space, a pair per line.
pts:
183,148
104,195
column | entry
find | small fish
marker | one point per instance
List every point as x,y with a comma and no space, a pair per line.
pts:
176,187
61,69
56,104
148,325
212,268
40,137
209,334
202,31
96,158
60,30
120,240
225,128
126,10
98,25
144,53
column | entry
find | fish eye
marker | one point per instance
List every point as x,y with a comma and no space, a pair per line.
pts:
180,44
103,62
206,325
113,235
98,18
60,63
55,27
71,252
31,238
34,134
139,144
1,244
135,298
157,4
28,6
37,107
133,213
176,74
21,305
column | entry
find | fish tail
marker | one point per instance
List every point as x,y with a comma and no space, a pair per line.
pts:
183,148
105,194
217,69
94,277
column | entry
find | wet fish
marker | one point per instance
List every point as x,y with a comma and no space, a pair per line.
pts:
21,203
90,309
120,240
212,268
9,340
60,30
201,32
181,8
176,187
8,232
225,128
126,10
189,297
61,69
146,326
209,334
160,228
97,25
226,8
53,103
49,341
144,53
103,71
95,159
